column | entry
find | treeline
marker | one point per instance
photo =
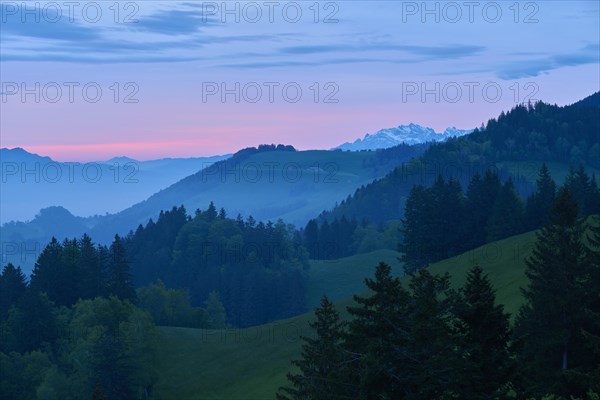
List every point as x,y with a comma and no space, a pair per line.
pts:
101,348
542,131
257,269
79,269
441,221
78,329
429,341
263,148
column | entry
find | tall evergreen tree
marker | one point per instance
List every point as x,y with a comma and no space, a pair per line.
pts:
91,281
120,280
12,288
451,232
539,203
375,336
414,247
484,327
507,214
591,329
321,362
431,366
549,325
211,212
480,198
47,273
69,273
311,238
579,184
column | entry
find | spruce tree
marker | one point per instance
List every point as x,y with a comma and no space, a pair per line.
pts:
579,184
12,288
375,338
539,203
451,226
69,273
506,218
321,360
311,239
549,325
211,212
47,272
415,229
120,280
484,327
430,366
90,269
591,329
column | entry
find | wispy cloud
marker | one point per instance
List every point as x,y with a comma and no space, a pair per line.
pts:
174,22
589,54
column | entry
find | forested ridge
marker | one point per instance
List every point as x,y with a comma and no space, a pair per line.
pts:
527,133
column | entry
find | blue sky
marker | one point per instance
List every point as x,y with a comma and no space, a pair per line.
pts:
353,61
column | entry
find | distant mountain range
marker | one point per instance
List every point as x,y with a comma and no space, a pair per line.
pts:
31,182
409,134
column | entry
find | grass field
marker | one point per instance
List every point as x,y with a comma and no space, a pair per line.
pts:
340,279
250,364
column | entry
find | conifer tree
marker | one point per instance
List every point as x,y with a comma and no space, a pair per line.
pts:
506,218
549,325
12,288
120,280
90,269
46,274
69,275
415,228
211,212
430,366
539,203
583,190
376,336
484,327
311,238
321,361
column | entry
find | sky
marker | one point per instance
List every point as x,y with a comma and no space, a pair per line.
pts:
89,80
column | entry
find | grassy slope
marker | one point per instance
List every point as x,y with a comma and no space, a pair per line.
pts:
255,360
340,279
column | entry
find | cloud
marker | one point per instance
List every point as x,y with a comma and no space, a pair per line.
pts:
296,63
62,29
401,54
173,22
442,52
163,36
589,54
